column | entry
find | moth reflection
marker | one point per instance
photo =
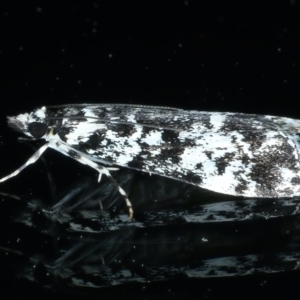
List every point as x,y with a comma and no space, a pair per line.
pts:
84,238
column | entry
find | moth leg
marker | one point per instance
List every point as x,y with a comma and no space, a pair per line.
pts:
31,160
69,151
105,171
123,193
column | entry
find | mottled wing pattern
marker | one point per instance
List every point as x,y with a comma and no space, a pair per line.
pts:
232,153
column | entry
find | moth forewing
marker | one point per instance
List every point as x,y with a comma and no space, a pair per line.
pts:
230,153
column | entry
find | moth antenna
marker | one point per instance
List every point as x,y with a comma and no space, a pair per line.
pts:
31,160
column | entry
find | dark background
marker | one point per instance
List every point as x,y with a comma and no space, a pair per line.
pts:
204,55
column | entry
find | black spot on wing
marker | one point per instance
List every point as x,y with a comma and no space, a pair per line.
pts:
295,180
72,118
170,137
172,154
146,131
78,116
123,130
223,161
284,154
267,164
100,113
233,139
266,177
208,154
245,159
192,178
137,163
95,140
62,132
242,122
242,185
199,166
254,138
205,120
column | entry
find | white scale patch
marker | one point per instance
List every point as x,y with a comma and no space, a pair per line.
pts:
82,131
231,153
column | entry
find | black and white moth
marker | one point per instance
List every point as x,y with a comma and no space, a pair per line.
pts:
231,153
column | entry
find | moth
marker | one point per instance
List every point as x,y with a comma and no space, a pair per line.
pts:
232,153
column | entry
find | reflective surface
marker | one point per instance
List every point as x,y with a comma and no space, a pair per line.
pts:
82,237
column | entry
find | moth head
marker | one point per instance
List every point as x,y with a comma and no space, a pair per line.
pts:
32,124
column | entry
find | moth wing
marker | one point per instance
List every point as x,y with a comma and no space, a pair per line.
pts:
237,154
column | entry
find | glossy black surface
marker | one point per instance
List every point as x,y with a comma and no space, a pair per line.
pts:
188,54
